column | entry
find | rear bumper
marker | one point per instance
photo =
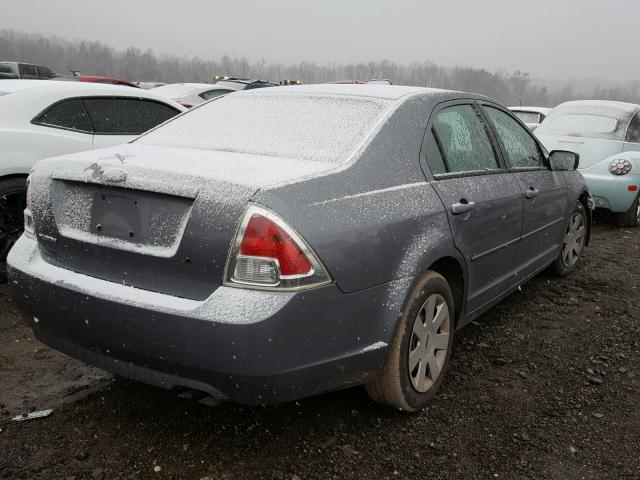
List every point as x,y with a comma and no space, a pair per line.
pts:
611,191
247,346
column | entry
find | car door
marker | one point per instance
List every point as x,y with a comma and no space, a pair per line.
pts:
544,192
482,199
119,120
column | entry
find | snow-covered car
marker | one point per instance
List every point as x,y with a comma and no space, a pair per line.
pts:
532,117
40,119
606,135
272,245
191,94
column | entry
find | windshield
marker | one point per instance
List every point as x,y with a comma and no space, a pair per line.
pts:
308,127
587,121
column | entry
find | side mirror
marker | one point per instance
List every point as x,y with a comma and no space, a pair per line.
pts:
563,160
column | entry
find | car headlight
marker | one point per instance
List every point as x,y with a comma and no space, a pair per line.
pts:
619,167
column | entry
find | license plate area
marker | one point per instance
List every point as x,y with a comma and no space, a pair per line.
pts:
126,219
120,215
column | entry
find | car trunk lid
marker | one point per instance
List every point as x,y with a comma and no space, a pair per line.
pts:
155,218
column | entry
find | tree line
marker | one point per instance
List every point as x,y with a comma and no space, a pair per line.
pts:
96,58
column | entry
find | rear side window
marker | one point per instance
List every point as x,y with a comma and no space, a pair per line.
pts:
520,147
28,70
44,72
434,158
68,114
213,94
464,141
126,116
633,133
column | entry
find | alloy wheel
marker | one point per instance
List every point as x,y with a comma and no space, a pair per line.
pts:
574,239
429,343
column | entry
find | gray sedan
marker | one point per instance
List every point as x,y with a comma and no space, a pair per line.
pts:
272,245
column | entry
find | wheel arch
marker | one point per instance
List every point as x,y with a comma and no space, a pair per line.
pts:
584,200
453,272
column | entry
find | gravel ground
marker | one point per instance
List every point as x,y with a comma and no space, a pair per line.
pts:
546,385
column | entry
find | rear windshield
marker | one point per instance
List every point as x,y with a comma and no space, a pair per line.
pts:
587,121
307,127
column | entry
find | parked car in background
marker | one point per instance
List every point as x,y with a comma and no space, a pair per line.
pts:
607,136
56,118
149,85
363,82
99,79
239,249
14,70
532,117
190,94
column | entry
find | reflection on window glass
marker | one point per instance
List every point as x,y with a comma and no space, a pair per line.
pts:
464,140
519,145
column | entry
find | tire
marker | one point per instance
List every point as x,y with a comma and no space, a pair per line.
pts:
630,218
13,193
573,242
399,385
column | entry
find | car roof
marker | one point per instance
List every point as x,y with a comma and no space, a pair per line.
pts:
24,104
622,106
14,85
389,92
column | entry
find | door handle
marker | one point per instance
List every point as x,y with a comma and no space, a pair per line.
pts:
531,193
462,207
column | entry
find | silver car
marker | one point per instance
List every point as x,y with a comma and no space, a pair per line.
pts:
278,243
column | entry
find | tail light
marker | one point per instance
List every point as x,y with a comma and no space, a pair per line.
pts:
268,254
29,229
619,167
186,105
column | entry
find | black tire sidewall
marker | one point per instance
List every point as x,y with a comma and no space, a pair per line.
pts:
425,288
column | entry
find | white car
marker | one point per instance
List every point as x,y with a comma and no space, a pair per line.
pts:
41,119
532,117
606,135
191,94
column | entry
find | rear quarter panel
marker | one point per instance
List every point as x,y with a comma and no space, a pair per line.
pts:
377,220
20,148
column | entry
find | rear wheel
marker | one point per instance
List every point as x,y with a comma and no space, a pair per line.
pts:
421,348
13,198
630,218
573,242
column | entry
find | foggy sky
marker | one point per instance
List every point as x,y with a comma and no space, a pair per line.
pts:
559,39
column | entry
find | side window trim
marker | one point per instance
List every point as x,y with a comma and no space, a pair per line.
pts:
36,120
502,165
507,162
